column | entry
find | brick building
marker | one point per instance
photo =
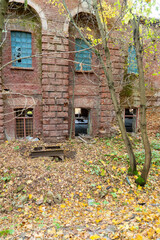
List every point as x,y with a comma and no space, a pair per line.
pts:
52,95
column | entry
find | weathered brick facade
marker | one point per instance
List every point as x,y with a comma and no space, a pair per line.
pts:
48,87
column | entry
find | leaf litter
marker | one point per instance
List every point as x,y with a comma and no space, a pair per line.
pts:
87,196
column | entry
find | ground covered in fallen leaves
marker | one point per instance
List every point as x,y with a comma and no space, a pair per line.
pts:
87,196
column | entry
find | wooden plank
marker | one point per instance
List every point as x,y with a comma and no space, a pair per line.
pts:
48,153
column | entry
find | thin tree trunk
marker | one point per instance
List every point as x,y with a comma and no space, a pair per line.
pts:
3,9
143,126
73,112
110,82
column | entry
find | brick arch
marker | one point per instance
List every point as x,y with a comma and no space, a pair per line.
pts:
38,10
73,13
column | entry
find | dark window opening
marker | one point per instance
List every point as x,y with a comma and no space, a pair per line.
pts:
24,123
130,119
81,121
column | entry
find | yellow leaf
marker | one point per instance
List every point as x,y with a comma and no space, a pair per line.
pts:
88,195
30,196
123,169
63,206
93,237
139,237
150,232
138,218
98,220
103,162
158,230
139,188
116,236
88,29
40,209
114,167
115,221
132,228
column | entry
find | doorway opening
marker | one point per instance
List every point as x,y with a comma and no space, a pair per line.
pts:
82,125
130,119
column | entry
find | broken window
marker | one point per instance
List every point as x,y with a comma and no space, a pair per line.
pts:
81,121
21,44
24,123
132,60
130,119
83,56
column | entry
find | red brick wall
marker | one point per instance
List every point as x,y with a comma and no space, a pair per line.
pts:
23,85
50,82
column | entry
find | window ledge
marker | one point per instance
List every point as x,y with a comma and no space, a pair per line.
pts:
22,68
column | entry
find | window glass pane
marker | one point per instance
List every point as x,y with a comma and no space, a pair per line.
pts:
132,60
83,57
20,128
21,43
29,127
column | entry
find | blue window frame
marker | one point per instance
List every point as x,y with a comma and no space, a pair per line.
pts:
21,44
132,60
83,56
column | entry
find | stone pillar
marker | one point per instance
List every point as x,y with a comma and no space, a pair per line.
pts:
55,87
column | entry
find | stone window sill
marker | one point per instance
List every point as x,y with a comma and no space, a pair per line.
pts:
22,68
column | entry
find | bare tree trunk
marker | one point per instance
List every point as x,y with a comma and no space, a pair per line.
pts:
143,126
110,82
3,9
72,106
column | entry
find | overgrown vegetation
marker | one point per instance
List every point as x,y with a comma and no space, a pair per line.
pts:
91,186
